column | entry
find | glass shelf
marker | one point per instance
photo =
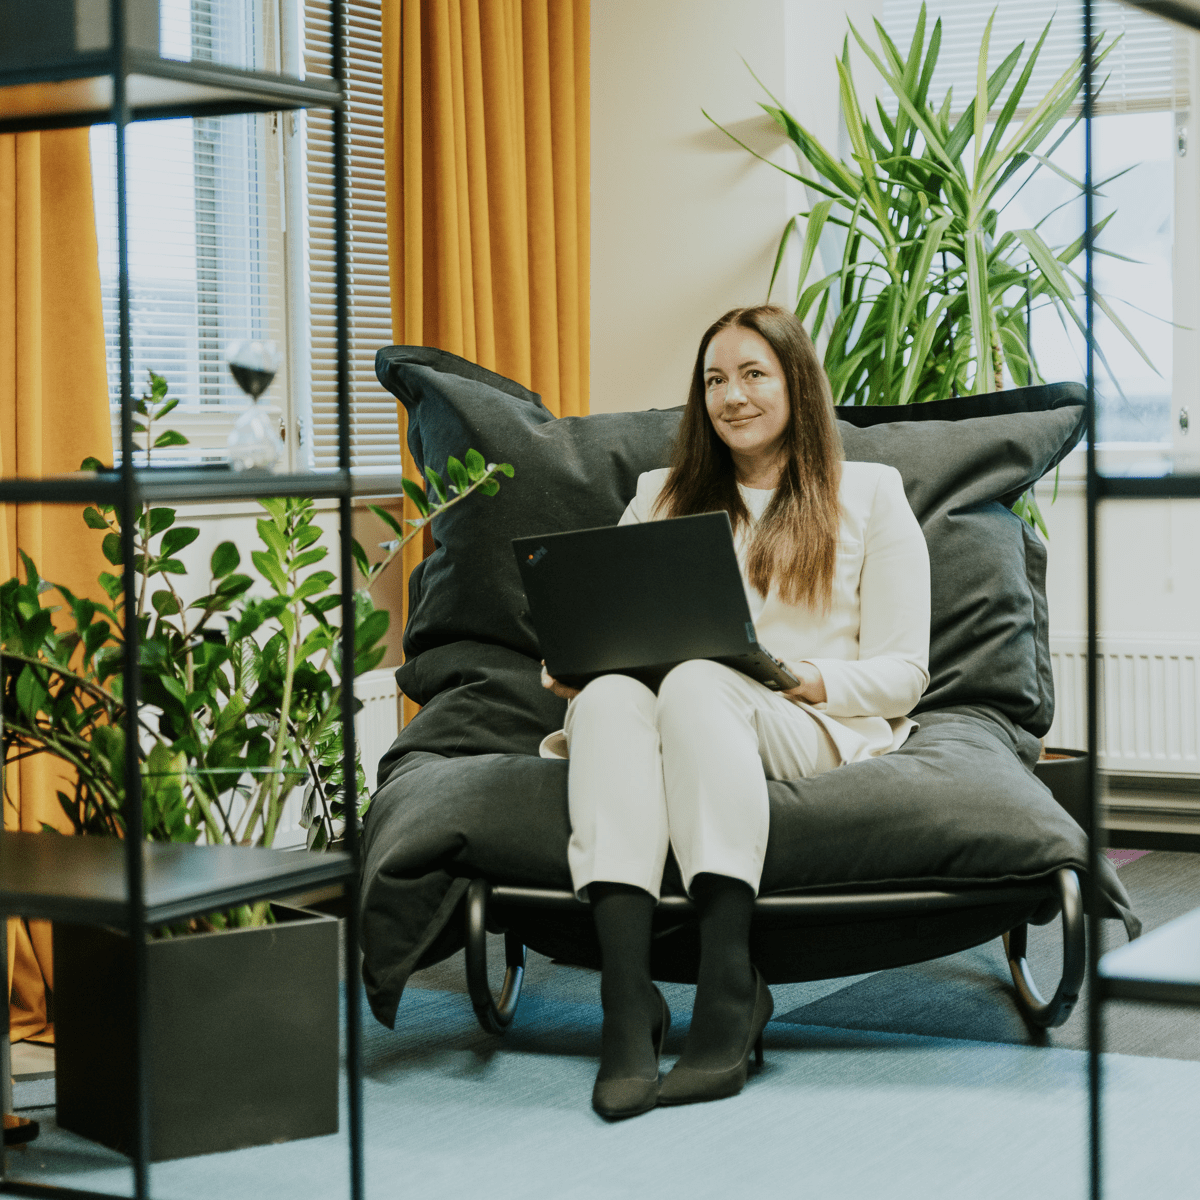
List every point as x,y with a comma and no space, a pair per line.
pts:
198,484
82,879
1171,485
81,92
1161,966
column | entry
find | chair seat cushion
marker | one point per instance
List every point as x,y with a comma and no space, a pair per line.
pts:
954,806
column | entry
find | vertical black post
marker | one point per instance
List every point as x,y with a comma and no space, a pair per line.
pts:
345,513
128,510
1095,998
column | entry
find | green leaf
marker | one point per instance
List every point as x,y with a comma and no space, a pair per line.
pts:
169,437
360,557
32,695
476,467
316,583
93,520
112,548
505,469
160,519
177,538
435,482
489,487
234,585
111,584
457,473
226,558
309,557
169,566
269,568
273,538
165,603
92,464
389,520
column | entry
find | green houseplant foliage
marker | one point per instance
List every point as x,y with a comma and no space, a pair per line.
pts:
241,687
930,300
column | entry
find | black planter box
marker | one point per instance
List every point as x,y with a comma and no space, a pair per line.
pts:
242,1035
1065,774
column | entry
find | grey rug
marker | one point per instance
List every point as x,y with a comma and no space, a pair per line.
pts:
950,1107
969,995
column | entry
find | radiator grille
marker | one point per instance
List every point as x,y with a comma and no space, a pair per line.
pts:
1149,693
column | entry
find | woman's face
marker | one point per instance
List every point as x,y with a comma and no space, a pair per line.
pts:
746,396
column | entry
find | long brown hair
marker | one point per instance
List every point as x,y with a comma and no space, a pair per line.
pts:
795,542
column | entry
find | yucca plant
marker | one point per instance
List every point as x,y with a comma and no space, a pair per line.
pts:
929,300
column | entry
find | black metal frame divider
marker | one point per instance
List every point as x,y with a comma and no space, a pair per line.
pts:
129,883
1162,966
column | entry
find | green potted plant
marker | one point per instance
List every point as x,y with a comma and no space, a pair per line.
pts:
241,693
931,298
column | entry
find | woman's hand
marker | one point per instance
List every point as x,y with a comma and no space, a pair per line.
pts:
560,689
811,688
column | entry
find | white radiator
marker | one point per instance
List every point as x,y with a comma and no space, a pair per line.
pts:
375,727
1149,695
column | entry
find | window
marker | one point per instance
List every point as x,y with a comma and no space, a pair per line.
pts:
231,236
374,432
1135,140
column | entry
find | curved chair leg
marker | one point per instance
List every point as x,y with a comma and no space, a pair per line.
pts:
1048,1014
495,1016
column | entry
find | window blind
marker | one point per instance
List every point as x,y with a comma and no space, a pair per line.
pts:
1146,69
374,430
201,227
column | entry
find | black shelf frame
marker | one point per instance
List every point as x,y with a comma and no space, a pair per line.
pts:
82,91
198,484
1143,970
129,883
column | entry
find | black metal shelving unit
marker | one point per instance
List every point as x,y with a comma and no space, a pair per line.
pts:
1163,966
132,884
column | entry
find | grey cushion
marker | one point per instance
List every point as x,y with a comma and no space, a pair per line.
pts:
953,806
964,461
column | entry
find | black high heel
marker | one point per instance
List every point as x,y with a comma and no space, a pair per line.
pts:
687,1085
616,1099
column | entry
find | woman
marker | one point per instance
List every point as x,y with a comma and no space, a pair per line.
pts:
837,576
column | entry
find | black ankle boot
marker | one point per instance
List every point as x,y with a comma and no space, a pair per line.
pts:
636,1018
733,1003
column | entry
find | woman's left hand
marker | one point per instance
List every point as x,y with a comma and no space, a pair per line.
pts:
811,688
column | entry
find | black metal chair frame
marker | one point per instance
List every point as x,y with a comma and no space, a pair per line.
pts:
487,906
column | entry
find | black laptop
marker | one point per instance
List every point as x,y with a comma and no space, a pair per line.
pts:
639,599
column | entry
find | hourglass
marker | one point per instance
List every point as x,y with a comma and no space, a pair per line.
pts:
253,442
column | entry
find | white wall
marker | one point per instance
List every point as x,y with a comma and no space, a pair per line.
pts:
685,223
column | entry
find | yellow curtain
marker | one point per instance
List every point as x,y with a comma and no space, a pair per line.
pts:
53,414
487,128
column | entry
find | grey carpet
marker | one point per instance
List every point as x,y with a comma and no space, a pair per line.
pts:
840,1110
969,995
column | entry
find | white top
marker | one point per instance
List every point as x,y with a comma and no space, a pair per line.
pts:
872,647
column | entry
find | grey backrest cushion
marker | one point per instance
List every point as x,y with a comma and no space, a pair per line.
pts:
964,462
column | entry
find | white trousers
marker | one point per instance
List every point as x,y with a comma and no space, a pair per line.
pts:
686,768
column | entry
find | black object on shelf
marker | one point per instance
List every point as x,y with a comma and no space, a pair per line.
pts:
47,84
224,1075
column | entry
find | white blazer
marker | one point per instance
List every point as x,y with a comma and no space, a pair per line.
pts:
872,647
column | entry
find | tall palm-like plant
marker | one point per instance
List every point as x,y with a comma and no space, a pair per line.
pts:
929,300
